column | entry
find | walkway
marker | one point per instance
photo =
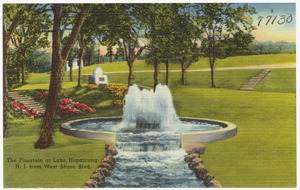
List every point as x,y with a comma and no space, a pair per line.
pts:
250,85
270,66
30,103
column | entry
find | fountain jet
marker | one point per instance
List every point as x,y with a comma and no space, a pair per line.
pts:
147,109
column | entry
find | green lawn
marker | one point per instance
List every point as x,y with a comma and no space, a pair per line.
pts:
263,154
41,80
279,80
23,133
202,63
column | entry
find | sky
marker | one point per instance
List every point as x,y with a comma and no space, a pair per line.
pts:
284,25
281,28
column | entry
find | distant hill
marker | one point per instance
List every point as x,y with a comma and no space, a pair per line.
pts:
269,47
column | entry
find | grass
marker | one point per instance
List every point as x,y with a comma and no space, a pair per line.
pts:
263,154
278,80
232,79
24,131
202,63
20,145
41,80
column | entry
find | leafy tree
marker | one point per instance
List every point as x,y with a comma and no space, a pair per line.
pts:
163,29
39,62
154,35
185,42
110,53
60,53
172,36
85,39
29,36
13,16
73,54
225,28
120,53
89,54
125,25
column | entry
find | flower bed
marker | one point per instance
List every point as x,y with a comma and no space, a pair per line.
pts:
66,105
22,109
119,92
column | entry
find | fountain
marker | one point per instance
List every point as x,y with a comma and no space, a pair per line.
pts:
146,109
150,138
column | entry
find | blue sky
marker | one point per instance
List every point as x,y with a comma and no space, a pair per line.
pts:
275,32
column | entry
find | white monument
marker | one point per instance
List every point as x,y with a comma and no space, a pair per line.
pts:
98,77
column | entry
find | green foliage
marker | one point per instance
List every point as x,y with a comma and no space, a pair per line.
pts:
29,36
39,62
225,28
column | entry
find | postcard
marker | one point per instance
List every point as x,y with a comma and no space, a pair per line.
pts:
149,95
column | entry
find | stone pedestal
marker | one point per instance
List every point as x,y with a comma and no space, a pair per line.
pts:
98,77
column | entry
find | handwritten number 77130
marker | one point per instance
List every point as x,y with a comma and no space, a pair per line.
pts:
273,19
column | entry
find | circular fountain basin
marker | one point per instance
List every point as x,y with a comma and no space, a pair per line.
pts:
224,131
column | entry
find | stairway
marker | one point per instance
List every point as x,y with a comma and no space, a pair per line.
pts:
250,85
30,103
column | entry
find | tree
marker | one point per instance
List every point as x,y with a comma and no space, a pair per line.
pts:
119,53
89,54
188,54
13,16
154,36
224,26
161,27
163,32
110,53
185,41
73,54
125,25
60,53
29,36
85,39
39,62
109,41
172,37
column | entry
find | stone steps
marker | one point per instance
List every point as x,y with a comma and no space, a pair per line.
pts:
250,85
27,101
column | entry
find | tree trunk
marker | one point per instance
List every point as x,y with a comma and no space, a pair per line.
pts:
212,60
167,72
79,67
212,76
71,71
19,71
130,74
5,89
46,139
23,72
182,73
156,75
57,70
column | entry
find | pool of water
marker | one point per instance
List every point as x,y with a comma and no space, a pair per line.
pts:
149,157
118,125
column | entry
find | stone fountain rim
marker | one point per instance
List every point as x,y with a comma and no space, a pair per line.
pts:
228,130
